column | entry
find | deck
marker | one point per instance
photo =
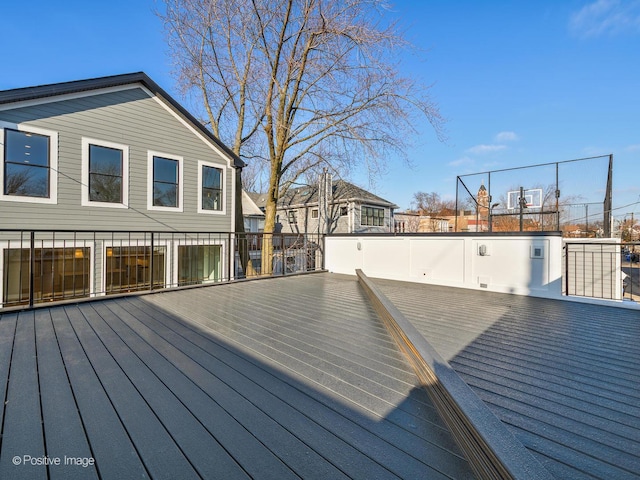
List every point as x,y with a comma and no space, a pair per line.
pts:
283,378
563,376
296,377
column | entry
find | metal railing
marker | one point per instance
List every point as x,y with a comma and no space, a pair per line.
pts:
606,270
38,266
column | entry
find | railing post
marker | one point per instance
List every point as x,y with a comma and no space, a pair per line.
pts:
231,255
566,269
151,263
32,267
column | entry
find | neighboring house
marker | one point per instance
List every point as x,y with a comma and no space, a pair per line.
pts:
253,215
413,222
350,209
111,153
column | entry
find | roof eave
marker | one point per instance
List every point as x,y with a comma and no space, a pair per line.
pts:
76,86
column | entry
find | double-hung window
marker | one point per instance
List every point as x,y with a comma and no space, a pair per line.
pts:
165,184
105,173
28,164
210,188
372,216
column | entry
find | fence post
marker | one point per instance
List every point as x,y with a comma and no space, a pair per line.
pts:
32,267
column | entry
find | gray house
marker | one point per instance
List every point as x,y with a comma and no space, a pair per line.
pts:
349,209
109,154
253,215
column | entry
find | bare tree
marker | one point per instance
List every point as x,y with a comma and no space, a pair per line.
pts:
298,84
106,185
17,183
432,204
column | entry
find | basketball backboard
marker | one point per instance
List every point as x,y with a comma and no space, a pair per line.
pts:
532,199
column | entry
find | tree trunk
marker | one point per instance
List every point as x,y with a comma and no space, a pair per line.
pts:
241,238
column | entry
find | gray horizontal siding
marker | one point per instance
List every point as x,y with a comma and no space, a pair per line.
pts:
128,117
339,223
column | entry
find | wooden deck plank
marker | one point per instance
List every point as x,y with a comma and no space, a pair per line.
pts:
563,375
578,383
236,441
198,445
365,440
64,432
343,377
256,440
114,453
342,371
22,435
229,381
240,390
7,336
274,382
581,406
156,447
559,447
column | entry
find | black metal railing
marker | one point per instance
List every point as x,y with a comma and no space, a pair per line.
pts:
606,270
40,266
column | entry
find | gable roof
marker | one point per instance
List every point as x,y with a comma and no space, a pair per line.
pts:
249,206
77,86
342,191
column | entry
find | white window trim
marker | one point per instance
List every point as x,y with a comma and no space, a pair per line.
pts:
180,160
85,173
223,211
53,164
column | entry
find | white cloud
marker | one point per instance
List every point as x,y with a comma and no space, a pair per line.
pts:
606,17
633,148
460,162
507,137
482,149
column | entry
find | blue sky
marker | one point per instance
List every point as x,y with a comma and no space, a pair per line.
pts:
520,83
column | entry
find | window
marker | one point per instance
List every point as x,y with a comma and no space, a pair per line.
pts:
210,188
314,213
130,268
29,164
105,174
59,273
292,216
372,216
165,182
198,264
344,211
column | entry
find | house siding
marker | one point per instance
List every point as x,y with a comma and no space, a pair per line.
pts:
130,117
357,219
350,223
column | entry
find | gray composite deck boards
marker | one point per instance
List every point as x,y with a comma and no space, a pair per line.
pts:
293,377
564,376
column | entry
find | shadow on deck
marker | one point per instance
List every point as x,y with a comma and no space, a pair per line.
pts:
284,378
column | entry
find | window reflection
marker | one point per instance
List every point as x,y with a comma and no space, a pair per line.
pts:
105,174
165,182
26,164
211,188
